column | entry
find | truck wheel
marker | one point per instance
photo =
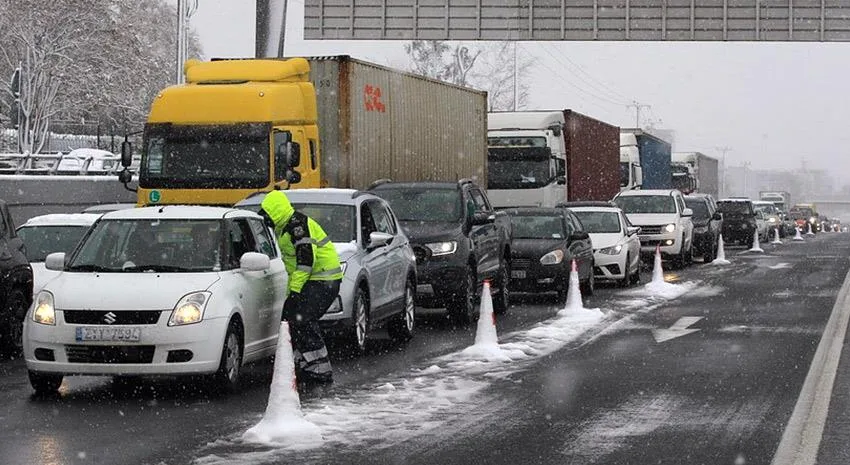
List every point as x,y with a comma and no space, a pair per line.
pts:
500,303
401,328
11,337
45,384
462,308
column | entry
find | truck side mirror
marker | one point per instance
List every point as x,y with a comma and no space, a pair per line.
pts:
561,180
292,152
126,153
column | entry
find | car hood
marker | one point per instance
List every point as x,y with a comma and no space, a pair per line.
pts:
652,219
423,232
534,248
125,291
603,240
345,250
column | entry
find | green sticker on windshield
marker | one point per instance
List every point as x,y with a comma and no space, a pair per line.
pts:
155,196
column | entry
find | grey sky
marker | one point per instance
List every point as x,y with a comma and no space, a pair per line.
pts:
774,104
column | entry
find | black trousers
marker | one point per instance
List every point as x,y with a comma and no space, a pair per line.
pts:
302,311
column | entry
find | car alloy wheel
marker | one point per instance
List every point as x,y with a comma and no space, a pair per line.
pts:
227,376
401,328
360,331
500,304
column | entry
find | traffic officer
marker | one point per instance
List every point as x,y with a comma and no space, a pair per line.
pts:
314,278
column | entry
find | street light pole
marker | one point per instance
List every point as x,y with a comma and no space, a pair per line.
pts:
724,185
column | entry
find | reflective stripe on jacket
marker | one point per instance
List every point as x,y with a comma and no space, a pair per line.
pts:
308,252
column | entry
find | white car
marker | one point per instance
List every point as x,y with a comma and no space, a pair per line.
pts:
664,220
167,290
46,234
616,244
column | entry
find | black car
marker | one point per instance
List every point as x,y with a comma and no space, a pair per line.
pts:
458,239
544,243
708,224
739,220
15,285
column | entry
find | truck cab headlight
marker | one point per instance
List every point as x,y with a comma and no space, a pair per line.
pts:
44,312
190,309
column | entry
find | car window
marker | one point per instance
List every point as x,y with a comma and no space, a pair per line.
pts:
337,221
478,200
43,240
599,222
537,227
646,203
680,203
264,241
240,241
3,226
367,222
700,208
423,204
383,219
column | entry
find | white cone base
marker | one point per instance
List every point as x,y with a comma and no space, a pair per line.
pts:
776,238
574,302
657,270
485,333
721,253
291,430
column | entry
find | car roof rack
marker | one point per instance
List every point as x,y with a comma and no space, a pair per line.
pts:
586,203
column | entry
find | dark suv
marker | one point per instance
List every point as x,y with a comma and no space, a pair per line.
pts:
15,285
708,223
739,220
458,239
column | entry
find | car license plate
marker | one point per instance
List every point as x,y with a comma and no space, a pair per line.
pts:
518,274
108,333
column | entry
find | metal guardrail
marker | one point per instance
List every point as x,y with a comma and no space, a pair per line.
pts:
41,164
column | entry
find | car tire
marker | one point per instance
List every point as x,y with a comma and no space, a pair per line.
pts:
461,309
401,328
226,378
627,273
45,384
358,337
12,324
589,285
502,300
636,275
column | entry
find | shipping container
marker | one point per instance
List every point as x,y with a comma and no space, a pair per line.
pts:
593,158
376,122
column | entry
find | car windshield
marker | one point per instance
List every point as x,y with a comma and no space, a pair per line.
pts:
338,221
734,208
537,227
699,207
599,222
431,205
767,209
646,203
146,245
43,240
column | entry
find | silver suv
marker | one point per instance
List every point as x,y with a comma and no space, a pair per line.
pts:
377,260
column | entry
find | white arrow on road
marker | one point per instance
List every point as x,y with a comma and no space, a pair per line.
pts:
679,328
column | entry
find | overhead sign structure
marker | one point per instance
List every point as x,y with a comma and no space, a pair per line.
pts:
587,20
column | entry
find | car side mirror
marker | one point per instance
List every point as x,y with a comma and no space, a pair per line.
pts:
125,176
379,239
254,261
687,212
579,236
717,216
632,230
480,218
126,153
294,177
55,261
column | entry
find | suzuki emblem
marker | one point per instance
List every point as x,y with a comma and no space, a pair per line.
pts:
109,318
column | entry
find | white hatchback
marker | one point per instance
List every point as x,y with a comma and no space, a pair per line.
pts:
171,290
616,244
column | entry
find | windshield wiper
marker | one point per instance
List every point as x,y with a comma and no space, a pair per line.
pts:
89,267
157,268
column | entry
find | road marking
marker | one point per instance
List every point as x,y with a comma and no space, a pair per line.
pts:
803,433
679,329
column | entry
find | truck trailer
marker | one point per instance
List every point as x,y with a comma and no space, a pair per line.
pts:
241,126
695,172
543,158
655,160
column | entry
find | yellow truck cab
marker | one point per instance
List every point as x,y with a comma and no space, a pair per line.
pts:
235,127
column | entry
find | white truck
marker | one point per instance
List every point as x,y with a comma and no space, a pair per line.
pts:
631,173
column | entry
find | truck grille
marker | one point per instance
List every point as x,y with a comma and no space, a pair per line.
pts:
98,317
650,229
109,354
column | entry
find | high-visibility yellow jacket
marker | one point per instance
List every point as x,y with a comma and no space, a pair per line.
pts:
308,252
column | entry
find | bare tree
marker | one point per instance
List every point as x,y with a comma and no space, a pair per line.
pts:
488,67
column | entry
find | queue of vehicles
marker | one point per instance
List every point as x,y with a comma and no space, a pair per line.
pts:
449,211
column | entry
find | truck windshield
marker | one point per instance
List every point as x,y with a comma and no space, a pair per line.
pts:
680,178
138,246
206,157
519,168
423,204
646,204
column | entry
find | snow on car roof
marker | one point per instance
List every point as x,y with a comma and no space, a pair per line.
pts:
646,192
62,219
595,209
319,195
177,212
735,200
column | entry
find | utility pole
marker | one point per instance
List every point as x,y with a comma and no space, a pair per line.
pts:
723,185
637,106
185,10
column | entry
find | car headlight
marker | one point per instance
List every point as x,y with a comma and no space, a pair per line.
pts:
670,227
442,248
812,219
190,309
612,250
552,258
45,312
771,220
